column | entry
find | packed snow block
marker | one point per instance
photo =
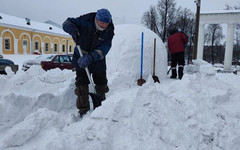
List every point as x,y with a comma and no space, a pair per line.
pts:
125,54
13,109
190,69
34,123
55,103
200,66
207,69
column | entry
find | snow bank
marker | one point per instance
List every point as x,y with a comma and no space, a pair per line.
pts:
201,111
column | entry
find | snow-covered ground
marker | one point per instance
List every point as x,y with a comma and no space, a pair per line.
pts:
199,112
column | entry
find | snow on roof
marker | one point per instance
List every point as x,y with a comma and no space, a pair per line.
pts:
219,17
222,12
12,21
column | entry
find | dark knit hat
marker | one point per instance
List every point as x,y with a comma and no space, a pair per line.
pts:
171,31
104,15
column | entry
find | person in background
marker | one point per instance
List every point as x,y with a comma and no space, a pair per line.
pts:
93,32
176,44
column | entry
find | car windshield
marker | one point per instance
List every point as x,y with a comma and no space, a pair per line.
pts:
45,57
50,57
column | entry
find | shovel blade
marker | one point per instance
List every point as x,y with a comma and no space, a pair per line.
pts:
140,82
155,79
96,99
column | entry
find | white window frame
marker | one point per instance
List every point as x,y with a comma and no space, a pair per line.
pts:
7,38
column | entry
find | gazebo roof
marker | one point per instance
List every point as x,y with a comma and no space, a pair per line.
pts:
219,17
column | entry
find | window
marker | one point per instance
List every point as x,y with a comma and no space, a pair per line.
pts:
36,46
70,48
63,48
7,43
55,48
56,59
25,43
64,59
46,47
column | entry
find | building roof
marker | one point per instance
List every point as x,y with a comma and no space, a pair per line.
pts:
219,17
234,11
21,23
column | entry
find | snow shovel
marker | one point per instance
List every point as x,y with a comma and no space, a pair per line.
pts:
155,78
141,81
96,98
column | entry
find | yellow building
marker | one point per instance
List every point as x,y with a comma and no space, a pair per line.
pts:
25,36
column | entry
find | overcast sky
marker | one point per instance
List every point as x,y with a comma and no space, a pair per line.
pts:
123,11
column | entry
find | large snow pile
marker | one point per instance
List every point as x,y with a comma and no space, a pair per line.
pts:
201,111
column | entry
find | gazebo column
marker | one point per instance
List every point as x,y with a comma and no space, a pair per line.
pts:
229,46
200,41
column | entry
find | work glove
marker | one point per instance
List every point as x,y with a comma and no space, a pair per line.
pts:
84,61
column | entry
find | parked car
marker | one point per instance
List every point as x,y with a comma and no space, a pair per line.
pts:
6,62
36,52
58,61
37,61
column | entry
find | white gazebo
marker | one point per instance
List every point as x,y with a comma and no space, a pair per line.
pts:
231,18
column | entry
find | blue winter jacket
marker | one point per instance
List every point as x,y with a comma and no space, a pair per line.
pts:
92,41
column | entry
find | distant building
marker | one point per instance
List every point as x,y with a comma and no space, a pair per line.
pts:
25,36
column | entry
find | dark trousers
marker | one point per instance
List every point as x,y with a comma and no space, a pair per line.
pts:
82,81
99,79
177,59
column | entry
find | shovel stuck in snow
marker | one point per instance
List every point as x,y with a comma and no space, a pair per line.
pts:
155,78
141,81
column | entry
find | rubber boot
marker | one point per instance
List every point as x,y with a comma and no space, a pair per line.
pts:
101,90
174,73
180,72
82,101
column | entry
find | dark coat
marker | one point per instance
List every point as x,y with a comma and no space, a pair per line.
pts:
177,42
90,40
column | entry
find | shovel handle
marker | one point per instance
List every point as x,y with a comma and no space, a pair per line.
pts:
87,71
141,56
154,56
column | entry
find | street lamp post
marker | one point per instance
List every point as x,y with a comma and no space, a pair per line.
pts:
198,3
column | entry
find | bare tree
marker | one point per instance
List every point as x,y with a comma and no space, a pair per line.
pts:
185,22
167,11
161,18
150,19
165,16
213,35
